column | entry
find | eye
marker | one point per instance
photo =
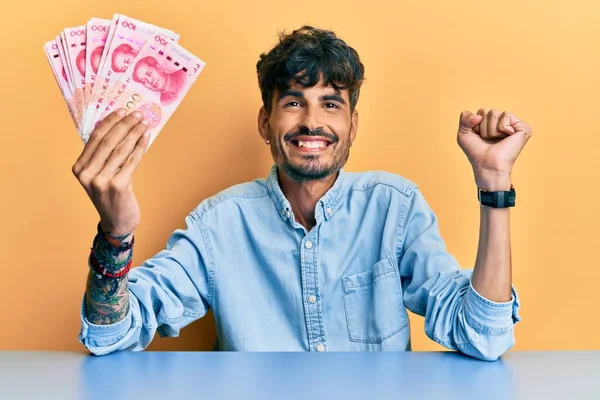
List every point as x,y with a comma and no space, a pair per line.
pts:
292,104
331,105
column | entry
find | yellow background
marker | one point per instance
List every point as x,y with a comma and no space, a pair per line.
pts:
425,62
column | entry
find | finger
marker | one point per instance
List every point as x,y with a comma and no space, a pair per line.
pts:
105,126
467,122
518,125
483,125
110,141
123,150
504,125
492,125
126,171
521,128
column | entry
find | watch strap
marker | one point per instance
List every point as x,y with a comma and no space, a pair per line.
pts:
499,199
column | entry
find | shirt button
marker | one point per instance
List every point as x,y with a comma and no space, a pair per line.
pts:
288,213
320,347
308,244
328,210
312,298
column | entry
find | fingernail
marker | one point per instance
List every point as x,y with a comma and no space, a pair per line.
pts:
147,134
144,121
121,111
137,114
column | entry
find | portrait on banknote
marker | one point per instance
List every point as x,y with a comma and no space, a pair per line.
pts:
95,58
122,57
153,76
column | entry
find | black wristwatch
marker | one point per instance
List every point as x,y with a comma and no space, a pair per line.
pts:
502,199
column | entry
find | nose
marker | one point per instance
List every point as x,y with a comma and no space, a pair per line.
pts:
310,119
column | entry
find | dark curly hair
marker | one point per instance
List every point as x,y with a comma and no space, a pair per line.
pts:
304,57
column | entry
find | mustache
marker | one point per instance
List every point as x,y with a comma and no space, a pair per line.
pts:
307,132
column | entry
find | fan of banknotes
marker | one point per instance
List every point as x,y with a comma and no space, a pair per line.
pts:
121,63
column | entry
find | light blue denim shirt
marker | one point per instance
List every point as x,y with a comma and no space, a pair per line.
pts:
345,285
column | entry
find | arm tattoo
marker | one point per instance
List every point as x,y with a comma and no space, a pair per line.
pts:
110,256
107,300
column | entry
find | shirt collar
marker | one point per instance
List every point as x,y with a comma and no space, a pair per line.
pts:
326,206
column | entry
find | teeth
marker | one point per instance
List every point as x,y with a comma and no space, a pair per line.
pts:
313,144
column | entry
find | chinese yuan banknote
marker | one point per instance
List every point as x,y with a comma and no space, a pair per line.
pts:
58,69
74,42
158,78
109,37
97,32
129,37
63,60
120,62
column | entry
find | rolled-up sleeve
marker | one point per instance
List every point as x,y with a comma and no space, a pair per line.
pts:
166,293
434,285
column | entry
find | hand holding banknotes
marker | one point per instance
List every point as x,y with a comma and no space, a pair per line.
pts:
139,70
105,169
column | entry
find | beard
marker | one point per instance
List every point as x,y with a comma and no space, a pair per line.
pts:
311,167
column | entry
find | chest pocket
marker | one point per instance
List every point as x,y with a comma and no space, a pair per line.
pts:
373,302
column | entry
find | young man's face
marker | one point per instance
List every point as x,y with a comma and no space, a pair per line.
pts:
310,130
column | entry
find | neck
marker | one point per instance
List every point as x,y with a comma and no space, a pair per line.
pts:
303,196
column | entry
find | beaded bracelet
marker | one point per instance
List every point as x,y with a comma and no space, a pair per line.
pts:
107,255
105,249
112,262
102,272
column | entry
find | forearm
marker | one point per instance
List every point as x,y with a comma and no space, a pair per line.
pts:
106,299
107,294
456,315
492,274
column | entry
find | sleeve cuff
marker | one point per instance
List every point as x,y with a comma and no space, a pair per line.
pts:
491,317
92,335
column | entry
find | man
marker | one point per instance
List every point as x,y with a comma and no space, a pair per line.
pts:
149,73
122,56
312,257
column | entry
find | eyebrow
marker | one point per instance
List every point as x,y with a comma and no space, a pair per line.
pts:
290,93
333,97
298,94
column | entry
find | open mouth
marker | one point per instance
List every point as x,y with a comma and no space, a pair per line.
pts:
311,143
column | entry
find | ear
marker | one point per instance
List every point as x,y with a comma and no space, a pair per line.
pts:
353,126
263,123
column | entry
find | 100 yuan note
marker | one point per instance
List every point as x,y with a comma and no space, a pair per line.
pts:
157,81
129,37
75,47
96,34
64,61
69,67
58,70
66,74
89,111
109,37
